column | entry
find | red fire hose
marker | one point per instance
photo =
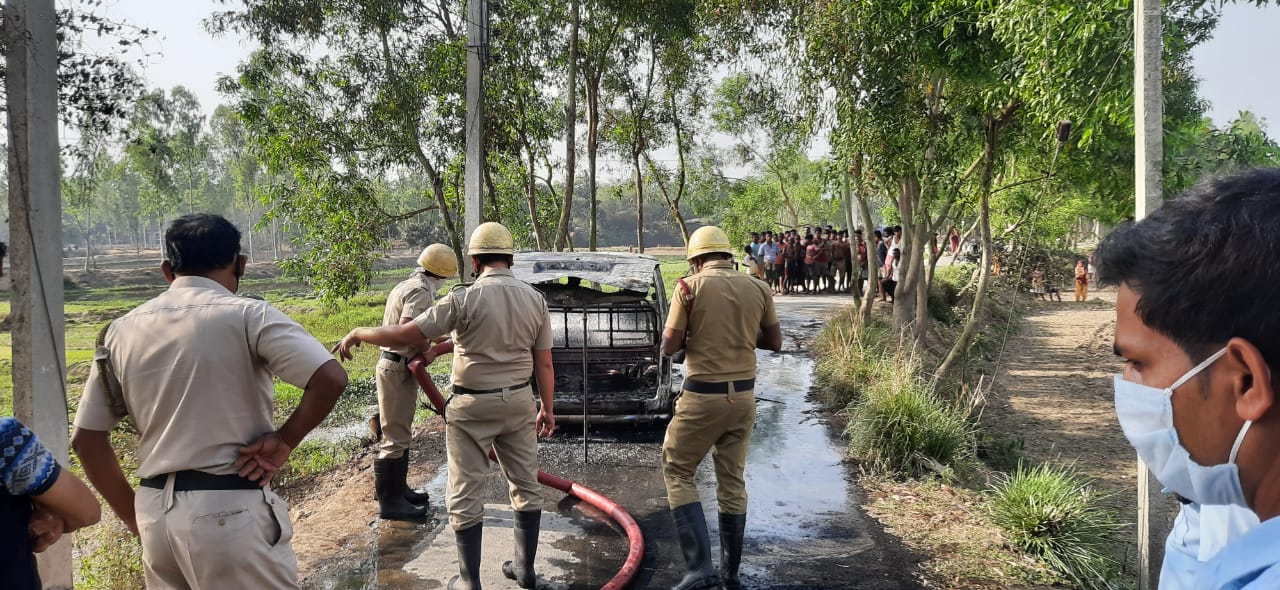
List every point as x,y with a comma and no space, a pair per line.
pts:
635,539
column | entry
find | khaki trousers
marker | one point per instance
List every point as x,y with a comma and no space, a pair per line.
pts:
475,423
718,422
1082,291
397,402
211,540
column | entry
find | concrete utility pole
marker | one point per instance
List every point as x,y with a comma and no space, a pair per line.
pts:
1148,98
477,55
35,232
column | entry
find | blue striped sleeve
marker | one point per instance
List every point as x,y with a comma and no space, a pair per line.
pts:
26,466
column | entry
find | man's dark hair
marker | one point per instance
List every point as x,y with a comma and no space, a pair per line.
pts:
491,259
200,243
1205,266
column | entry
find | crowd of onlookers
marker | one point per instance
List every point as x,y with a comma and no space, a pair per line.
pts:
823,260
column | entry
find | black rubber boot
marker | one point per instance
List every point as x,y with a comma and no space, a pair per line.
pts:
732,527
695,543
470,541
415,497
520,569
388,485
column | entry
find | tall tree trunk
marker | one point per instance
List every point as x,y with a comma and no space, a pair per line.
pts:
635,161
593,149
248,227
571,127
531,194
869,239
275,238
970,331
904,299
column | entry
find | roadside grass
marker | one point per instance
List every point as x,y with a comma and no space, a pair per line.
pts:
928,466
1052,512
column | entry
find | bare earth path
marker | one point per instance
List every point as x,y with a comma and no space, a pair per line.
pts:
1053,389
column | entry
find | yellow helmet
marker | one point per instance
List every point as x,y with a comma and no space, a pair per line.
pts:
438,259
491,238
706,240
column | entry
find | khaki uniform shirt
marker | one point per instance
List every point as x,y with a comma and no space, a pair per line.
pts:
496,323
195,365
409,299
729,308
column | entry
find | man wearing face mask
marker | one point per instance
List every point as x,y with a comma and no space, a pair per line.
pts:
398,390
194,368
1199,332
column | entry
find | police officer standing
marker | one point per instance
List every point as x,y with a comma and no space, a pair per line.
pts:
719,316
502,344
193,368
398,390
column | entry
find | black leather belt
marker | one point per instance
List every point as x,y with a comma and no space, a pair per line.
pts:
469,391
190,481
393,357
695,386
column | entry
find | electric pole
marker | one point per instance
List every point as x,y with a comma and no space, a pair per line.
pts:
477,55
1148,99
35,234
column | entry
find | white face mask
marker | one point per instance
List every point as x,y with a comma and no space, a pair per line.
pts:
1146,416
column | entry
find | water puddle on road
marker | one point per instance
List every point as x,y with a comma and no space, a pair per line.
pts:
805,528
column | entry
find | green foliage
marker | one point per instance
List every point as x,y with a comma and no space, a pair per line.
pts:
901,426
851,356
945,292
110,557
1053,514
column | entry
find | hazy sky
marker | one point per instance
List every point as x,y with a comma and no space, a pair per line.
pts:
1237,68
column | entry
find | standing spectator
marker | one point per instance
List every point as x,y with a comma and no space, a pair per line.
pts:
4,250
863,271
954,238
839,258
1082,282
769,254
39,502
754,268
1092,270
884,241
795,264
194,368
811,273
1037,284
890,273
755,244
502,348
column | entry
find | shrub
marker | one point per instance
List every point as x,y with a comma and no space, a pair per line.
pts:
1053,514
851,355
901,426
945,295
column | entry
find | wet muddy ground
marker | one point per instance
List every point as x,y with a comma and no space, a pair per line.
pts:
805,529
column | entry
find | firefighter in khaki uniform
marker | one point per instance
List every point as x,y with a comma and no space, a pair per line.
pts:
398,390
502,345
719,316
193,367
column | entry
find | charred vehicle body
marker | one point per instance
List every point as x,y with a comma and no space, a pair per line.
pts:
607,313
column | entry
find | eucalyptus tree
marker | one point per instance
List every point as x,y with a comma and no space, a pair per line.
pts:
82,177
166,143
337,96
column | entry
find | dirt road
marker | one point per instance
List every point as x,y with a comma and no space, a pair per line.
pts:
1054,390
806,528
